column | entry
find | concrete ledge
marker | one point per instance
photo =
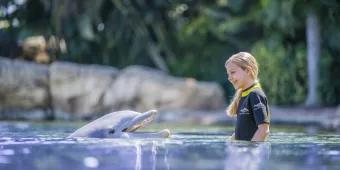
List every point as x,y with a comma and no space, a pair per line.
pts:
327,118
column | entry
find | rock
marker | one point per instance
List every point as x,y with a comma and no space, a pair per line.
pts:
142,88
41,50
34,44
35,49
65,90
79,89
23,85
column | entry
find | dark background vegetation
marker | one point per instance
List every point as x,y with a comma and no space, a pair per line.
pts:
190,38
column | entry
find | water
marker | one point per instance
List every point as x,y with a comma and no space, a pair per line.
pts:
40,146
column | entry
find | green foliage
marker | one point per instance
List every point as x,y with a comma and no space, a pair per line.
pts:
282,71
329,85
191,38
280,16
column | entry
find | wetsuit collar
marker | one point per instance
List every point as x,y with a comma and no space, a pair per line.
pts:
250,89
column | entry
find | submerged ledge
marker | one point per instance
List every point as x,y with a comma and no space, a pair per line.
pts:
325,118
315,118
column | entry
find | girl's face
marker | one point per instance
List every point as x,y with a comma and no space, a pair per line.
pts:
238,77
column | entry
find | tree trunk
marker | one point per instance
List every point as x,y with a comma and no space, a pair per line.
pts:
156,57
313,55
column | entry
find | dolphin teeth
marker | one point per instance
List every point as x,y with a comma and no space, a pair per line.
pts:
141,124
132,129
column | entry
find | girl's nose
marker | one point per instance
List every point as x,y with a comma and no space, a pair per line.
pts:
229,78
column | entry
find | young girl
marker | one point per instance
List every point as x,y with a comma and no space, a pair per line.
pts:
249,104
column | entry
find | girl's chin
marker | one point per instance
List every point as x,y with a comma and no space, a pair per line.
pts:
236,87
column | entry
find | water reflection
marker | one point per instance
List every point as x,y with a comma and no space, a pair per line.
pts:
247,155
138,156
167,165
312,157
35,148
154,154
91,162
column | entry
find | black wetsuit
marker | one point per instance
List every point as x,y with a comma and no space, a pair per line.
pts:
252,111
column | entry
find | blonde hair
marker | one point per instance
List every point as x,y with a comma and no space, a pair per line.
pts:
247,62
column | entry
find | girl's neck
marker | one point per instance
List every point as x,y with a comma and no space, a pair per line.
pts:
249,84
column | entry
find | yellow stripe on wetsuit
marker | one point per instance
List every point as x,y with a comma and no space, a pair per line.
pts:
246,93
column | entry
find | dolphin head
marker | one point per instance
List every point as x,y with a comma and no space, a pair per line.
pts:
121,124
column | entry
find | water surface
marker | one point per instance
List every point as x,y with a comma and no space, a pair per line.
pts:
35,146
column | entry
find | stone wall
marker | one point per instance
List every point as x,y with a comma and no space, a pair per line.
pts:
69,90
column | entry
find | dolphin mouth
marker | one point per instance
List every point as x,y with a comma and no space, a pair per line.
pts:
141,121
125,126
161,134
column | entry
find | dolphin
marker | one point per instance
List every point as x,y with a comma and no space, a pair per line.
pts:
120,124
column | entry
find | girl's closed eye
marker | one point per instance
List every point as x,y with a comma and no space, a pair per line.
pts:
230,73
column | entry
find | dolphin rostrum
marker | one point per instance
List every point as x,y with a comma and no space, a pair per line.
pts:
121,124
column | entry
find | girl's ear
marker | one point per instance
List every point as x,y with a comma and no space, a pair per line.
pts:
248,71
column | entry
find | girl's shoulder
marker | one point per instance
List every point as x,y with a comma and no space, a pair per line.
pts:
258,92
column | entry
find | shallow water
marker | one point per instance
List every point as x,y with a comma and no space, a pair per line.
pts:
44,146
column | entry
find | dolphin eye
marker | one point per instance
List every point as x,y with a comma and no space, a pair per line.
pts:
112,131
